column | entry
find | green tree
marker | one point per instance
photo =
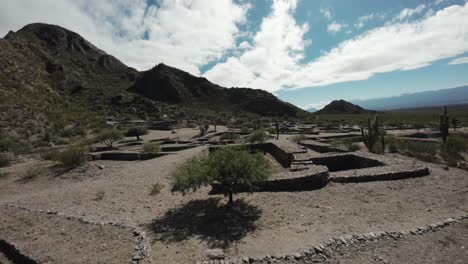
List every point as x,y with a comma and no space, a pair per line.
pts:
136,131
234,169
109,136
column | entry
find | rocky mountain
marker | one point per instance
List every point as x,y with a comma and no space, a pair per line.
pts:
171,85
342,107
52,76
451,96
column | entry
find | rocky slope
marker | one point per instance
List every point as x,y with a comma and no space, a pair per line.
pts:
52,79
342,107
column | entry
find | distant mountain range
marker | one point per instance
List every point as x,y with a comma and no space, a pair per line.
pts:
311,110
342,107
452,96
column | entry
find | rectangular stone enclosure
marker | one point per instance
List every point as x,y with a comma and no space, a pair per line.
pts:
346,162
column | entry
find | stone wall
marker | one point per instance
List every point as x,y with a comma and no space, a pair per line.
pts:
315,177
346,162
126,156
389,175
14,254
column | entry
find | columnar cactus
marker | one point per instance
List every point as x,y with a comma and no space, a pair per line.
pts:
277,128
371,136
444,124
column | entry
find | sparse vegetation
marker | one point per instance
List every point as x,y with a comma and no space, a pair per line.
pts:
109,136
257,136
4,161
3,174
32,173
233,168
230,136
151,147
136,131
156,188
452,149
73,156
372,134
298,139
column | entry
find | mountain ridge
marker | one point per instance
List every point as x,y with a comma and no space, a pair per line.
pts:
342,107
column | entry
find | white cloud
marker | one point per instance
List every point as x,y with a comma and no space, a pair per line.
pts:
461,60
277,64
409,12
185,34
277,50
335,27
362,20
326,13
317,105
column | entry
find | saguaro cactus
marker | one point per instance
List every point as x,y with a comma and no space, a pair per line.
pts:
444,124
371,136
277,128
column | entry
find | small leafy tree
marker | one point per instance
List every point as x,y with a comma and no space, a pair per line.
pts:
234,169
109,136
136,131
258,136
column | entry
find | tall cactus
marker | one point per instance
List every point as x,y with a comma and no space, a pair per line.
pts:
444,124
371,136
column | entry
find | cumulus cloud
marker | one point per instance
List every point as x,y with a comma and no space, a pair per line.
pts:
362,20
326,13
335,27
409,12
400,46
461,60
185,34
275,54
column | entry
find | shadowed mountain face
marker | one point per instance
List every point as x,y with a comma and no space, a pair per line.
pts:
342,107
49,60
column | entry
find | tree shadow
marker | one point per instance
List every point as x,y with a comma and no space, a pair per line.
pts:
210,220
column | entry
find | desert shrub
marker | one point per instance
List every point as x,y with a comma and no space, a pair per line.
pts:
258,136
4,161
32,173
452,149
72,156
151,147
230,167
156,188
109,136
392,148
424,151
298,139
353,147
3,175
136,131
229,136
99,195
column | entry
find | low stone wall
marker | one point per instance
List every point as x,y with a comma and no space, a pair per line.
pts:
321,252
14,254
315,177
177,148
141,250
126,156
390,175
320,147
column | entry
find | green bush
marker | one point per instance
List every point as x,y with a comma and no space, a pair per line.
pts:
136,131
231,167
72,156
229,136
4,161
151,147
353,147
258,136
452,149
156,188
109,136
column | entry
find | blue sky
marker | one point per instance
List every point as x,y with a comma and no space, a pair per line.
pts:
307,52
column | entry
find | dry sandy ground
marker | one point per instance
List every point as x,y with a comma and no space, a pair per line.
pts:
448,245
180,228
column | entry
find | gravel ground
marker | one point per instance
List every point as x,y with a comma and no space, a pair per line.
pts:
180,228
448,245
